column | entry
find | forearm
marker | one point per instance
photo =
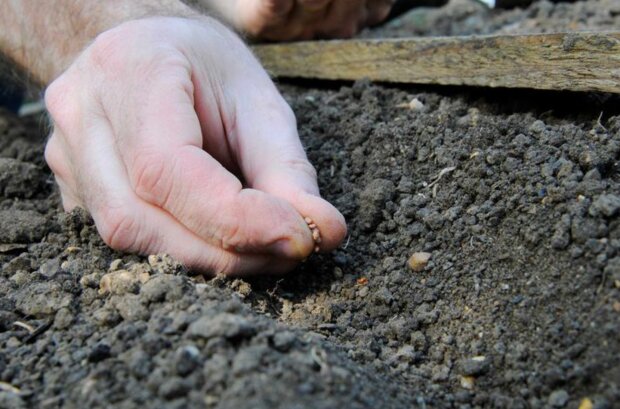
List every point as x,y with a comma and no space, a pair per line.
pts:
44,37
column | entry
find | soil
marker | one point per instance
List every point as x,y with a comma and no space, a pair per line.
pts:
515,195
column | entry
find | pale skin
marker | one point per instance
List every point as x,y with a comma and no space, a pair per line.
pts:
170,133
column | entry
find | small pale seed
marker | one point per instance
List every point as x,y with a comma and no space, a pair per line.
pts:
419,260
316,235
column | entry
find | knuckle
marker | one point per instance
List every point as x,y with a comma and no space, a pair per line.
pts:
59,102
52,154
118,227
106,51
114,51
149,174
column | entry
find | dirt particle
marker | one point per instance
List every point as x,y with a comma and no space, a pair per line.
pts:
130,307
22,226
372,201
174,388
283,341
164,287
165,264
19,179
607,205
91,280
224,325
64,318
116,264
475,366
186,360
43,299
99,352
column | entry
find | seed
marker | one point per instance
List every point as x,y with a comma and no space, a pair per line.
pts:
316,233
468,382
419,260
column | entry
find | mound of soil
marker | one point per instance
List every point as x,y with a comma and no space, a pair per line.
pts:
514,194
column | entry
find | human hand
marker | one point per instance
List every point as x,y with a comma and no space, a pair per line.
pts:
284,20
156,124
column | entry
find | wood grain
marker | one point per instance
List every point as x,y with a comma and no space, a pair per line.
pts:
561,61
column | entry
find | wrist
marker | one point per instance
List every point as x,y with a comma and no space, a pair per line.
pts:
59,31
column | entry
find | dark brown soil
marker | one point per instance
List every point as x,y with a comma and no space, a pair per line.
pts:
516,195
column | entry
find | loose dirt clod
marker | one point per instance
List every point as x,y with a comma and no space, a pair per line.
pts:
122,281
418,261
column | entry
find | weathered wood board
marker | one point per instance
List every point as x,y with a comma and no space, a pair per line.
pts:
561,61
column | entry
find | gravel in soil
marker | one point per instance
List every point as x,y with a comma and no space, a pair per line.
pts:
508,201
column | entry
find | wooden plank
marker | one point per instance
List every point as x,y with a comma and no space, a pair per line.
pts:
560,61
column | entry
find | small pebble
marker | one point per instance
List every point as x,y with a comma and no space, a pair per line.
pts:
174,388
558,398
475,366
187,359
418,261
